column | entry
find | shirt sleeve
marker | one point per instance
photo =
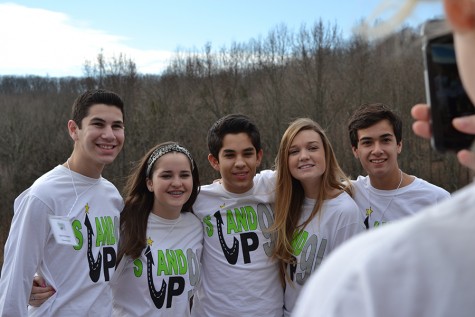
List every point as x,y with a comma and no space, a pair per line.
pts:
349,224
23,253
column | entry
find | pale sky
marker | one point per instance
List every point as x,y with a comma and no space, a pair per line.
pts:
55,38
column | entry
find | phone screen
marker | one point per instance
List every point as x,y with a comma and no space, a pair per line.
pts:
446,95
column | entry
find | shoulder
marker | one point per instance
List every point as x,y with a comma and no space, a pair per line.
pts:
360,179
107,185
342,201
264,181
191,218
50,178
360,182
265,175
214,189
420,184
41,189
343,207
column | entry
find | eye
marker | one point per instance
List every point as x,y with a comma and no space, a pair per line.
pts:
185,175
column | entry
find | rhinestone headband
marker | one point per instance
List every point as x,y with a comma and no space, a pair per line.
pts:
164,150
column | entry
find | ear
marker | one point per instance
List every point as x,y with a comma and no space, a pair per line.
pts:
399,147
259,157
213,162
460,14
355,152
149,184
73,130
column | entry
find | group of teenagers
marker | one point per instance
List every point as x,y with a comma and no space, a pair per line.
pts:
242,246
270,243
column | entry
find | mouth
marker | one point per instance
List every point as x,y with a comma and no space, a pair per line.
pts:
241,175
176,193
106,146
306,166
378,161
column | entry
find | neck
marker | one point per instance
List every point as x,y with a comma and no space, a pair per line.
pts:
89,171
311,189
169,214
391,182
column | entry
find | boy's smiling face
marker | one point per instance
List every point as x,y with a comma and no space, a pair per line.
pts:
378,150
237,162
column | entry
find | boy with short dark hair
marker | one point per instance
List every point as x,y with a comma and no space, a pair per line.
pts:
65,225
386,193
238,276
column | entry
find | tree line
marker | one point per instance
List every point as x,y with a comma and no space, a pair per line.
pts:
313,72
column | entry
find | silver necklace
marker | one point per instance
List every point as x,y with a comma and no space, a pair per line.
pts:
74,187
370,210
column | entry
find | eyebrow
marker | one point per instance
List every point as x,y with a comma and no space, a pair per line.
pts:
379,137
96,119
249,149
170,171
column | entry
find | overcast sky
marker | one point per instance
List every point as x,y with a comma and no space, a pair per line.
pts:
55,38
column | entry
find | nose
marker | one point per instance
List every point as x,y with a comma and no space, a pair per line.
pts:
108,133
303,155
239,162
377,148
176,181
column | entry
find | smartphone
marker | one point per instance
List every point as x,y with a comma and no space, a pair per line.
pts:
444,90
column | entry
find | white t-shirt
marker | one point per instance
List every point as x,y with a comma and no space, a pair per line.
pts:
238,276
421,266
79,274
337,221
162,280
389,205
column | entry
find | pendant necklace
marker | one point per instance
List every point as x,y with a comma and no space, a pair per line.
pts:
370,210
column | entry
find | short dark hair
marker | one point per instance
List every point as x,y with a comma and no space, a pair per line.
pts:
83,102
232,124
370,114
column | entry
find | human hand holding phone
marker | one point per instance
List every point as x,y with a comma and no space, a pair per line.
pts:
421,127
445,93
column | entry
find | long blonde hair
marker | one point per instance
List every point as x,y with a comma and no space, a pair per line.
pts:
290,194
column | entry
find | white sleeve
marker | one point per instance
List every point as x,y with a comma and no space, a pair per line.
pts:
265,180
23,253
350,224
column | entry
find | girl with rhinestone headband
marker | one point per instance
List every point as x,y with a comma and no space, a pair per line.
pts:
160,237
